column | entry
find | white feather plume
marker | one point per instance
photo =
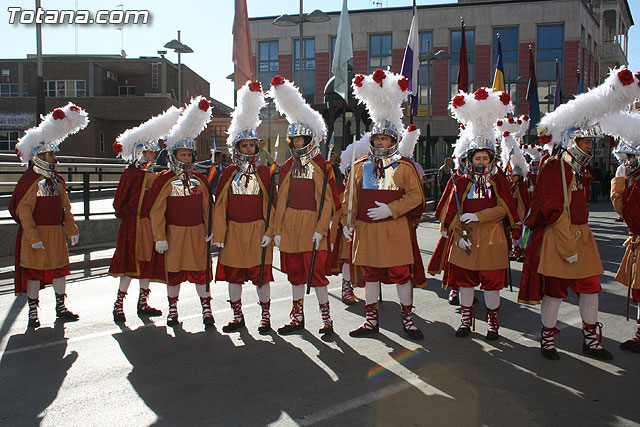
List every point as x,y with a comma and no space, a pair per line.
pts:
52,131
247,112
623,125
408,142
384,103
534,151
587,108
191,122
290,102
361,147
480,115
155,128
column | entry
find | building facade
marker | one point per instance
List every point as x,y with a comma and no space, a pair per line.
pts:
584,37
118,93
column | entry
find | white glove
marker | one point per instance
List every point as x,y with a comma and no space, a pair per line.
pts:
469,217
621,172
381,212
332,246
444,234
572,259
38,245
347,232
464,244
317,238
266,240
218,245
162,246
75,239
209,238
276,240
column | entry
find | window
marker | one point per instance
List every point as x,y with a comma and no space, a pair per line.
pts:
6,73
308,68
509,42
102,142
425,41
455,40
127,91
65,88
268,61
220,131
154,74
12,90
8,140
379,51
549,49
333,49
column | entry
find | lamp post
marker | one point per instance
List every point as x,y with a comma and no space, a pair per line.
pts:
299,20
425,59
179,48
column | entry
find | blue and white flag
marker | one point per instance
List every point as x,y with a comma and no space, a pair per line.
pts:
411,63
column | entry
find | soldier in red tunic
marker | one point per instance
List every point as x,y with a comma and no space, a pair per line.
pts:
241,210
132,258
179,214
40,206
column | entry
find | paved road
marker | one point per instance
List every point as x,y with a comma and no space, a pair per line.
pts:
95,373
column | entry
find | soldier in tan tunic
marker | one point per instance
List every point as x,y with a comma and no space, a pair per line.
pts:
40,206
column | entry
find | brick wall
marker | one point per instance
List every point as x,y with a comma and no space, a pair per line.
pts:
286,66
397,55
571,65
523,65
323,72
440,85
483,74
360,62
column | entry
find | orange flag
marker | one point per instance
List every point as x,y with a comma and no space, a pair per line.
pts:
242,57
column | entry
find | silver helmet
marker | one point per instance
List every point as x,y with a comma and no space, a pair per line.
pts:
177,166
384,128
247,163
41,166
573,154
138,153
481,143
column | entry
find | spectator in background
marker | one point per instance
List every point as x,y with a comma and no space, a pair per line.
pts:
444,174
596,183
335,164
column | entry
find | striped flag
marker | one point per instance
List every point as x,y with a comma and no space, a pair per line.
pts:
411,64
498,77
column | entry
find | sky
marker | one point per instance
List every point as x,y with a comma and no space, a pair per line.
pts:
205,26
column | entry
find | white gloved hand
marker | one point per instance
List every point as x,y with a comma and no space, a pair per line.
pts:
276,240
218,245
381,212
347,232
469,217
572,259
317,238
444,234
209,238
621,172
332,246
38,245
464,244
74,239
266,240
162,246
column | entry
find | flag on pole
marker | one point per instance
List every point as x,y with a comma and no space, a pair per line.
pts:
579,89
212,170
557,96
272,168
463,65
498,77
532,93
242,55
342,53
411,63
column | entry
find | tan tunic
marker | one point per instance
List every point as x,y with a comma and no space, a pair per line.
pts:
297,226
187,248
624,272
53,237
385,243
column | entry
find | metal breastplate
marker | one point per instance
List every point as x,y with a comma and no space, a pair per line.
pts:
48,187
245,184
306,172
371,182
180,188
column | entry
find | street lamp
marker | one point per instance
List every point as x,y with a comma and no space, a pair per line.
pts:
300,19
179,48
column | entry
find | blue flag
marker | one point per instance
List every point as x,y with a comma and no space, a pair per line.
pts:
532,94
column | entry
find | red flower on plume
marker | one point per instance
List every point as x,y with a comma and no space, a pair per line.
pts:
540,149
379,75
458,101
544,139
404,84
625,77
462,126
16,151
506,133
519,121
499,123
74,108
637,77
339,160
203,104
525,118
481,94
510,120
164,144
58,114
358,80
117,147
505,98
277,81
255,86
412,128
